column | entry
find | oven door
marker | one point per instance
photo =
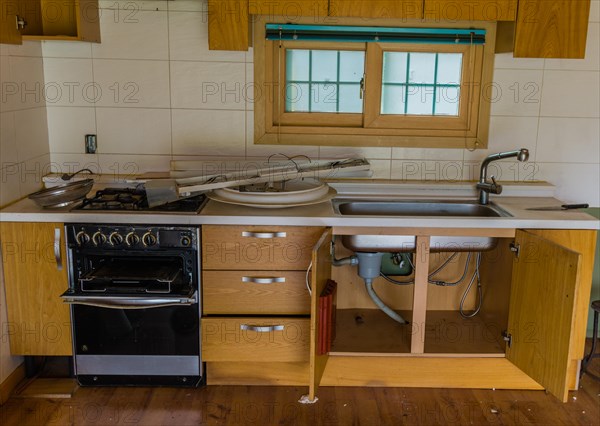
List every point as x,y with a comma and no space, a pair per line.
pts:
141,340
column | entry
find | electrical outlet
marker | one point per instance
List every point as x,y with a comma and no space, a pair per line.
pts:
91,144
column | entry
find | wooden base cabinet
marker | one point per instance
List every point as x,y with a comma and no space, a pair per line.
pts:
528,334
256,313
35,275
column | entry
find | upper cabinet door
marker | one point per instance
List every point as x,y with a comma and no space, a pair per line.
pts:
321,273
481,10
410,9
228,26
289,8
9,34
544,286
552,29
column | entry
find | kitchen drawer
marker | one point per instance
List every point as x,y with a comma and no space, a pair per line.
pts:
274,248
255,293
255,339
258,374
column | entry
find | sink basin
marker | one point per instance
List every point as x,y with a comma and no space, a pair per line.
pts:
443,208
407,243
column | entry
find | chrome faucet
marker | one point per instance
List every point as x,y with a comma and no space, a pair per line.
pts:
486,188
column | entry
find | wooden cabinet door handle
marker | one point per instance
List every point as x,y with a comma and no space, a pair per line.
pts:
263,280
264,235
261,328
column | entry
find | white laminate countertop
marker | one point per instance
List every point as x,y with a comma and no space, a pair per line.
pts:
515,200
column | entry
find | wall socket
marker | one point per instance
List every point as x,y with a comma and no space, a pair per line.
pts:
91,144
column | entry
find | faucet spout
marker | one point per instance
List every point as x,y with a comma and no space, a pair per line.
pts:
485,187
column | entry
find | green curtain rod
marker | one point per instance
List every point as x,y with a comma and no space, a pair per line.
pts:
374,34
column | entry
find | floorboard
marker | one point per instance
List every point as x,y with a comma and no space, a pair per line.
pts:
246,405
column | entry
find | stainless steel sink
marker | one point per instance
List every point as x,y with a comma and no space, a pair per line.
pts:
420,208
444,208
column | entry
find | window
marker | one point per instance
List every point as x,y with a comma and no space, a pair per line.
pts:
372,93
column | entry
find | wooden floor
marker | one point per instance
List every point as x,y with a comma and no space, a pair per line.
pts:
244,405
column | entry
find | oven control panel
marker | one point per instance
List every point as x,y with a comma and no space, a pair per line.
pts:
139,237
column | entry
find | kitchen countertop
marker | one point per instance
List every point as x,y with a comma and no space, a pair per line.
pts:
515,200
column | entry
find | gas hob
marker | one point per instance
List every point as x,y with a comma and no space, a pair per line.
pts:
135,200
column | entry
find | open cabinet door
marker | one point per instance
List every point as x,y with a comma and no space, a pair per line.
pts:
544,283
9,34
321,273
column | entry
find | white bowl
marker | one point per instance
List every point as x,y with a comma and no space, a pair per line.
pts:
297,191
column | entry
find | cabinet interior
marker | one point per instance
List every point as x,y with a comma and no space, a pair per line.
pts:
49,18
363,329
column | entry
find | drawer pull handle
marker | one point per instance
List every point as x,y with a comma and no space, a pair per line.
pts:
263,280
264,235
261,328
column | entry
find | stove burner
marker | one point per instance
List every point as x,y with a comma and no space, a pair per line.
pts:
134,199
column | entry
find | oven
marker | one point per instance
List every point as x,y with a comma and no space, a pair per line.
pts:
135,304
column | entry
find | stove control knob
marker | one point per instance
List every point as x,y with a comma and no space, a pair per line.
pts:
98,238
132,239
115,239
149,239
82,238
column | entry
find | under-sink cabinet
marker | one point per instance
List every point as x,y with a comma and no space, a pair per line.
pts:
528,334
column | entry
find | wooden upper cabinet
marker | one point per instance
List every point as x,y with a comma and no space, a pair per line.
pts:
480,10
228,26
69,20
289,8
551,29
9,34
35,276
409,9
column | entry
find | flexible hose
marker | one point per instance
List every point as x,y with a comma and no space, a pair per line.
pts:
468,289
385,308
430,276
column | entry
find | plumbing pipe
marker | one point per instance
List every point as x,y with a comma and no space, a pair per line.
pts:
386,309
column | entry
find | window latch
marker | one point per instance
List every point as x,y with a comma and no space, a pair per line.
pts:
362,87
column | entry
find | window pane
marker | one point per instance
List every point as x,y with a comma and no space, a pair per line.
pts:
447,101
297,97
350,100
324,65
297,65
352,66
422,68
392,99
420,100
394,67
324,98
324,80
449,68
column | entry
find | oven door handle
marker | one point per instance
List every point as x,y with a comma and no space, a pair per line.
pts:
130,302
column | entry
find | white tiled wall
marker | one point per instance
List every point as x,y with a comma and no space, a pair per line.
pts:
24,149
153,91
